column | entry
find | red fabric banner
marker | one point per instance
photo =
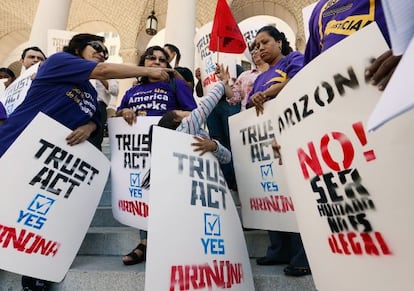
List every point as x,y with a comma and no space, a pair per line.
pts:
226,36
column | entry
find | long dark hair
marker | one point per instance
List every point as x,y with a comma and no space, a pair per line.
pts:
277,35
80,41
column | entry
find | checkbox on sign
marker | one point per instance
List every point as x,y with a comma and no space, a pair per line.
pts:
212,224
41,204
266,171
134,180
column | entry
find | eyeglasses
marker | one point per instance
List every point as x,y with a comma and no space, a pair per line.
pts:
154,58
99,48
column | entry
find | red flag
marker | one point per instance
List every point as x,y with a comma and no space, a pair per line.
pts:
225,35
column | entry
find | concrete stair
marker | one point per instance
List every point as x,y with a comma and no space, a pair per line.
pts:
98,265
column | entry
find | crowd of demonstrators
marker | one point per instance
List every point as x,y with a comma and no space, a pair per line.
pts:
83,59
70,71
274,49
143,100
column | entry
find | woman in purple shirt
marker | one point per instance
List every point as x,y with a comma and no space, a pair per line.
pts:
274,49
153,97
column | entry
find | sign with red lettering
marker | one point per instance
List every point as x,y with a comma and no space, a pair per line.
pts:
261,182
191,204
351,188
50,192
207,59
130,164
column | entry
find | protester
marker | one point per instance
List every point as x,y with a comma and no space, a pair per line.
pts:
218,127
31,56
191,122
244,84
62,91
6,73
327,27
274,49
153,97
174,54
283,64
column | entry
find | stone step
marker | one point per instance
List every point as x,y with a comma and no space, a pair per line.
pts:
107,273
118,241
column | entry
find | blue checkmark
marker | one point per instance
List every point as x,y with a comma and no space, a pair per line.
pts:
212,224
41,204
134,179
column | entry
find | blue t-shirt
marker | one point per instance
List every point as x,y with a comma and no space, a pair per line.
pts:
286,68
3,113
333,20
156,98
62,91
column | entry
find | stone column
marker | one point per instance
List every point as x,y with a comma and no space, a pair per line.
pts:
50,14
180,29
129,56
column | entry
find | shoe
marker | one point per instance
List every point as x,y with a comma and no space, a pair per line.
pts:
265,261
297,271
33,284
134,258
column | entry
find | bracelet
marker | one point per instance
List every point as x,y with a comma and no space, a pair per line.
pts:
217,146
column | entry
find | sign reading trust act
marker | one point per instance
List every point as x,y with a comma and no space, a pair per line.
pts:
261,182
49,195
352,189
192,207
130,164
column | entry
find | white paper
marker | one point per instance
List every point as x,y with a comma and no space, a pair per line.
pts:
398,96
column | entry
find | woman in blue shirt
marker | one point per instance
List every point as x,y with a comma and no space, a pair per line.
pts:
62,89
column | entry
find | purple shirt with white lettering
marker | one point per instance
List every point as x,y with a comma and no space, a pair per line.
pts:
156,98
333,20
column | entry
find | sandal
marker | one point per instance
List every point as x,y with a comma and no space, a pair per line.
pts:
134,258
294,271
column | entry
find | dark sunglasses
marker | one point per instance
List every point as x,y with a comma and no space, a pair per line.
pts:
154,58
99,48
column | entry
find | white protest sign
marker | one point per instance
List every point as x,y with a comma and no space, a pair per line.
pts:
207,59
49,195
57,39
130,163
191,204
265,199
352,189
16,92
398,97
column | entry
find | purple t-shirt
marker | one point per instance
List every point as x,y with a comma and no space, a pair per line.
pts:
3,114
285,69
333,20
62,91
156,98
